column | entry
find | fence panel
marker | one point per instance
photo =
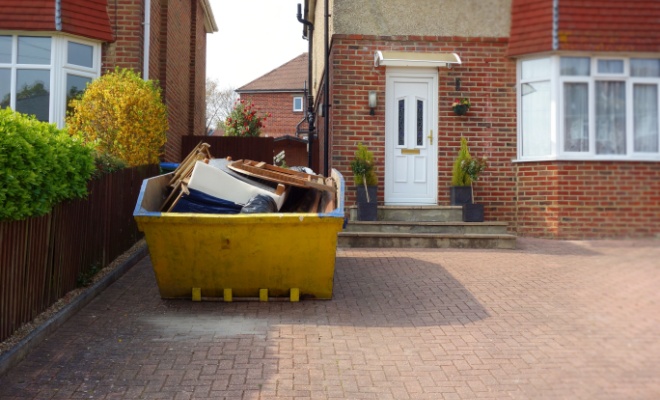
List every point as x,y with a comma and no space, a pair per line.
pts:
251,148
42,258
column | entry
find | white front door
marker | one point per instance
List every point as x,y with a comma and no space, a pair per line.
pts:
411,151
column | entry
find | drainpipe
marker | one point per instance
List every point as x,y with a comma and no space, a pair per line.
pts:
310,98
326,91
147,37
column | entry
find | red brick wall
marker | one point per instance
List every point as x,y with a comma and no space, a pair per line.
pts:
588,200
487,78
198,72
283,120
177,75
126,18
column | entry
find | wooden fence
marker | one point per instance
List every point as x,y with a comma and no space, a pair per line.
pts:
251,148
42,258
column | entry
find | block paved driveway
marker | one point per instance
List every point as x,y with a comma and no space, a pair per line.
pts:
550,320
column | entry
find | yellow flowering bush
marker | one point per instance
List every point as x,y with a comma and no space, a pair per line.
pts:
123,115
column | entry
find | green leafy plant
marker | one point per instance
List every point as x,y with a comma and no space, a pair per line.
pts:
123,115
106,164
244,120
473,168
463,101
363,167
461,106
40,166
86,278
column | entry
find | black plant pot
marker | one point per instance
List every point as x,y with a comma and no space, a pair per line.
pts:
459,195
473,213
460,109
367,210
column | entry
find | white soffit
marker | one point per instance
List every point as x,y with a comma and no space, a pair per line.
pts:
406,59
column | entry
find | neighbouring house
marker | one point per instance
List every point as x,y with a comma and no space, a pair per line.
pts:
50,49
565,103
280,92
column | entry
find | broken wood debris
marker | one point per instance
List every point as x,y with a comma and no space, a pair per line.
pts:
238,181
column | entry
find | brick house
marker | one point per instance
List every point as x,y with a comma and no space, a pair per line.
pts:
60,45
565,104
280,92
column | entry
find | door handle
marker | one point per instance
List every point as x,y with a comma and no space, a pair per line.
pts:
430,137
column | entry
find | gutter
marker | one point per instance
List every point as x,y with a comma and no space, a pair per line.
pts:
147,39
308,33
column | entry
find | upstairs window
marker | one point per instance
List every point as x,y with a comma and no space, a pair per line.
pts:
39,75
589,108
297,104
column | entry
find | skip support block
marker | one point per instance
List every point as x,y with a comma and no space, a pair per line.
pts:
294,296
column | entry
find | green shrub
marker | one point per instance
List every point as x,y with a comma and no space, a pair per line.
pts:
106,163
40,166
123,115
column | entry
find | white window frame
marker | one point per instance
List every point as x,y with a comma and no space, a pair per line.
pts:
58,67
557,108
302,104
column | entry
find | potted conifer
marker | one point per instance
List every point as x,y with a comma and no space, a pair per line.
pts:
460,191
366,182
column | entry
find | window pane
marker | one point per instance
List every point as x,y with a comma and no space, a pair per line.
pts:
75,85
610,118
5,87
645,67
535,69
645,118
33,92
33,50
610,66
402,122
80,54
575,66
297,104
5,49
536,140
576,117
420,123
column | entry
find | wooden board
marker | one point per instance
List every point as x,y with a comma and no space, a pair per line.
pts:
281,175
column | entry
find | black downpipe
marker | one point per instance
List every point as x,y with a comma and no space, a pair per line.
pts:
326,92
311,117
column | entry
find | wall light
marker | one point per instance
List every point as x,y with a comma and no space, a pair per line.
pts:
373,102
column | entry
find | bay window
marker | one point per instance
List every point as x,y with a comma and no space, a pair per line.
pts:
39,75
589,108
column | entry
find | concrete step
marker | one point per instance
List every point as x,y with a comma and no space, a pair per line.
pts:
424,227
425,240
455,228
415,213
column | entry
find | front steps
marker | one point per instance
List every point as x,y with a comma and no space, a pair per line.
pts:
424,227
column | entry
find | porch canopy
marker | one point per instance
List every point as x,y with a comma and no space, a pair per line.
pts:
410,59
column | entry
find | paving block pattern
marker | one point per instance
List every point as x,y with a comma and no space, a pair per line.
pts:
548,320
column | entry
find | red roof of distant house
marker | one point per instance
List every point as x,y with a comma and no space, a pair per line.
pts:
584,25
88,18
289,77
